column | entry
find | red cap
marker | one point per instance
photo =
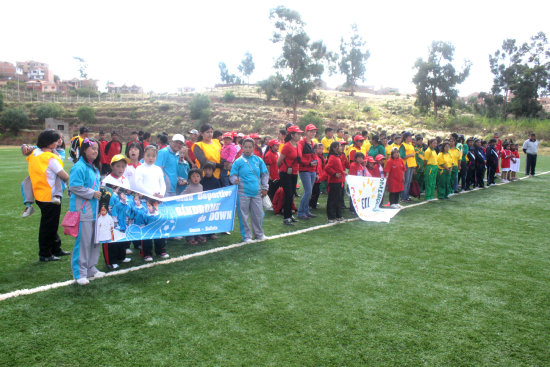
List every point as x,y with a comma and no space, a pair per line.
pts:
227,135
246,137
294,129
370,159
358,138
379,157
240,135
311,127
342,142
233,134
273,142
255,136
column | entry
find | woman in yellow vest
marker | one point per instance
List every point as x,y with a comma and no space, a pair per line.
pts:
408,155
45,168
208,150
445,165
430,169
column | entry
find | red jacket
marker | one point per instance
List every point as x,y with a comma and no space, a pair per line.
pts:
395,171
334,166
321,175
112,148
270,159
345,161
306,152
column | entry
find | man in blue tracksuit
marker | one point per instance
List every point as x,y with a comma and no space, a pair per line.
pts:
168,159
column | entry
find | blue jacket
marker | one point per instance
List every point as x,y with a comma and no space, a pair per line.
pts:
252,174
83,181
168,161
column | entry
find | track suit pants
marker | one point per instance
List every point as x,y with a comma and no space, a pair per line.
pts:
85,252
334,201
430,176
288,182
530,164
408,179
443,184
250,208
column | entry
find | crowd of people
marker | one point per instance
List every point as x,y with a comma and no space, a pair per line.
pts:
208,159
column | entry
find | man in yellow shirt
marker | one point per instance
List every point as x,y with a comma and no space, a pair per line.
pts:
431,169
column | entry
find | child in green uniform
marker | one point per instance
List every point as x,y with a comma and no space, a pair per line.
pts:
430,169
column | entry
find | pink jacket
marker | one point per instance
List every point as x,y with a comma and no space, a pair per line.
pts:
229,152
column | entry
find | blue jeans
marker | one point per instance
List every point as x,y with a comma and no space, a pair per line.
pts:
308,180
408,179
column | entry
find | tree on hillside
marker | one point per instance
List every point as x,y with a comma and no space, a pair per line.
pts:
270,86
297,67
246,68
14,119
226,77
353,57
49,110
437,78
504,65
86,114
1,101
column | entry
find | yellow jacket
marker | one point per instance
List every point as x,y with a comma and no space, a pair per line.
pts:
430,157
326,144
409,149
456,156
444,160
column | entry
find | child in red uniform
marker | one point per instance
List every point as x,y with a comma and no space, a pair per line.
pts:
335,180
345,165
372,168
395,171
357,168
270,159
505,157
514,165
316,191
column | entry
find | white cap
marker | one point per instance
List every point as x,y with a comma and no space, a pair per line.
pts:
178,137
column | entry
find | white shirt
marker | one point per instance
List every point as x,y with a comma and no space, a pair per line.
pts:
130,174
531,147
150,179
121,181
105,224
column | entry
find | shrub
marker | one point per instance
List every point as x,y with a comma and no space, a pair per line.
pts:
311,117
178,120
229,96
164,107
84,92
198,104
14,119
86,114
111,114
366,109
49,110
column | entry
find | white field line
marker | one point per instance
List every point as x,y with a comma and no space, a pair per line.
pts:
43,288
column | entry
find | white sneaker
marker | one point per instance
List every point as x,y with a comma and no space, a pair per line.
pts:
394,206
29,210
126,260
129,252
164,255
148,258
82,281
97,275
115,266
248,240
261,238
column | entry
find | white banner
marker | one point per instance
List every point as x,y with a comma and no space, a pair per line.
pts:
366,195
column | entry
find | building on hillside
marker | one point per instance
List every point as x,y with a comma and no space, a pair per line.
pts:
61,126
34,70
7,70
41,86
124,89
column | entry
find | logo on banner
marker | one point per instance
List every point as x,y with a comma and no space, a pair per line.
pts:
366,195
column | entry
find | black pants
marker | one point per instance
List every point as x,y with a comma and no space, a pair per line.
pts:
315,192
463,175
147,247
49,242
491,171
394,197
480,174
470,178
530,165
273,186
288,182
114,253
334,201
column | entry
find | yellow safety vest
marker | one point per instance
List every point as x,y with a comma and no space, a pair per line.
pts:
409,149
38,165
211,152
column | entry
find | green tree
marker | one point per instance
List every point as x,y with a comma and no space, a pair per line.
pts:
14,119
246,68
270,86
82,67
353,57
297,67
504,65
436,78
1,101
86,114
199,108
49,110
226,77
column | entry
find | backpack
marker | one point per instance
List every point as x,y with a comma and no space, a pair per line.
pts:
74,150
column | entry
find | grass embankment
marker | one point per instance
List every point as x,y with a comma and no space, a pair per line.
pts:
461,282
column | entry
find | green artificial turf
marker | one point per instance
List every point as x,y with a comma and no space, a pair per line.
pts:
461,282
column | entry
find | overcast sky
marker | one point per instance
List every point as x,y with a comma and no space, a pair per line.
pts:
162,45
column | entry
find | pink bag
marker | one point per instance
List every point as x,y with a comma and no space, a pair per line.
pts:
71,222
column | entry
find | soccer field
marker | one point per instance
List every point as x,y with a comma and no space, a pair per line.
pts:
460,282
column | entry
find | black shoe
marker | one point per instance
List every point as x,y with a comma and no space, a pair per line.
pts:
62,253
288,222
48,258
294,220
